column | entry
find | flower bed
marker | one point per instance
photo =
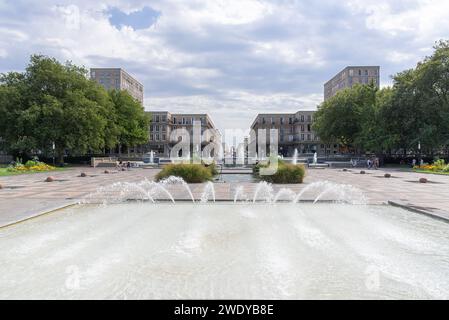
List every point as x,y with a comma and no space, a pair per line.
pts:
30,166
439,167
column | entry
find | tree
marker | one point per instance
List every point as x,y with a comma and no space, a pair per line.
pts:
55,103
344,117
414,111
418,111
132,121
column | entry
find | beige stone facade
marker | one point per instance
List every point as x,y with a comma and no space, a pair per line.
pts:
164,122
350,76
294,132
118,79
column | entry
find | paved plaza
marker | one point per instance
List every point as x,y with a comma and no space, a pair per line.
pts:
25,196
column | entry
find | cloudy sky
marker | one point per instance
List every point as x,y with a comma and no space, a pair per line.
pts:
230,58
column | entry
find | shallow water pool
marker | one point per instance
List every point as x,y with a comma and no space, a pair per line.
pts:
226,251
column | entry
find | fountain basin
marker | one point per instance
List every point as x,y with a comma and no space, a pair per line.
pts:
226,251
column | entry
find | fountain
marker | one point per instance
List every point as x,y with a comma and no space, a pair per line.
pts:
152,156
239,193
315,159
170,181
295,157
284,194
145,190
305,249
209,191
265,190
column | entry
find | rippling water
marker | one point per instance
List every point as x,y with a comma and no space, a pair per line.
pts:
225,251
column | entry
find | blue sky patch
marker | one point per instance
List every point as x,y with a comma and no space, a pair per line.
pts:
137,20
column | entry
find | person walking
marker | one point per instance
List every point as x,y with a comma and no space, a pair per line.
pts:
413,163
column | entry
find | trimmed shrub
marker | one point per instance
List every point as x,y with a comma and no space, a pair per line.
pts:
286,173
212,167
191,173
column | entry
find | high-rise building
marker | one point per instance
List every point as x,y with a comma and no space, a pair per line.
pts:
119,79
350,76
294,132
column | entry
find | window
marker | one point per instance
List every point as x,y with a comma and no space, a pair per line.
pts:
309,137
163,118
309,118
302,118
174,120
281,120
151,137
302,137
156,118
290,120
360,72
351,73
308,128
263,120
272,120
164,137
157,136
302,128
366,72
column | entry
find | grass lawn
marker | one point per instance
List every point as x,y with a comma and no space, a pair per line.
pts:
4,172
432,172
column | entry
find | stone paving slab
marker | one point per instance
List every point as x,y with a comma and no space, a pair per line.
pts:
35,195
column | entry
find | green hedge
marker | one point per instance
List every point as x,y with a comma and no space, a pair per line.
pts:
191,173
286,173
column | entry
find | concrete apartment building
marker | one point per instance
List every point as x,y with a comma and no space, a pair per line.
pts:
295,132
350,76
164,122
119,79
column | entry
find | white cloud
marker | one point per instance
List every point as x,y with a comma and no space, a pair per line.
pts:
422,18
230,58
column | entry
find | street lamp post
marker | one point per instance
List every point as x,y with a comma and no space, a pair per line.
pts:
53,147
419,153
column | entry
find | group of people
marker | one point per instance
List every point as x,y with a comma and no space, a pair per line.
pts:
123,166
414,163
373,163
